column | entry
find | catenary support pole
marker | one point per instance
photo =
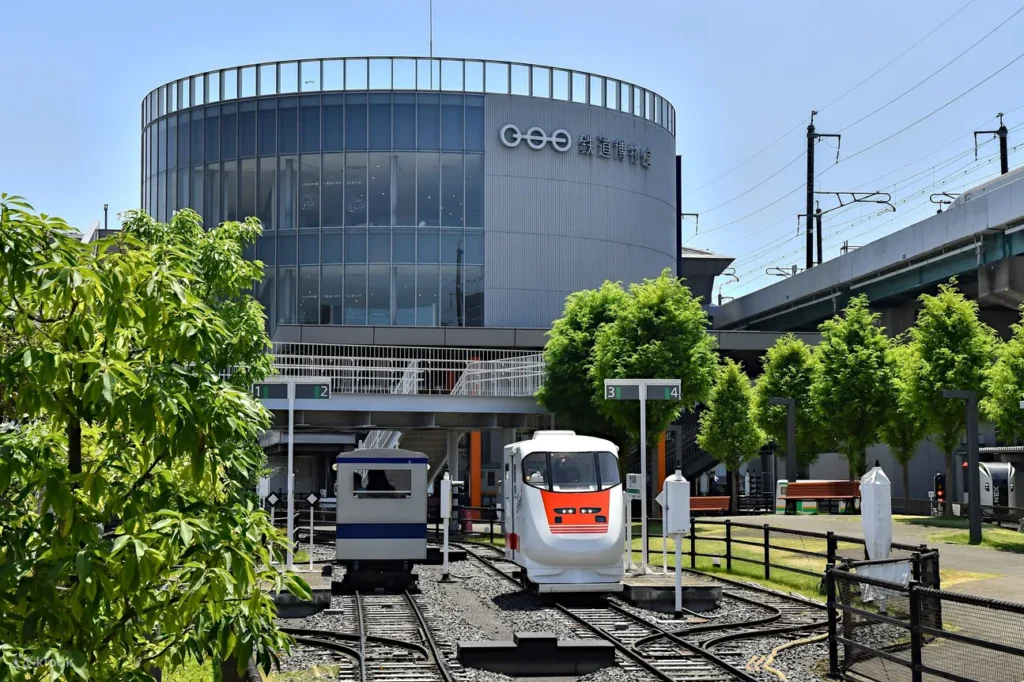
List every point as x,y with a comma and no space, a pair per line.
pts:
817,232
291,474
810,191
643,479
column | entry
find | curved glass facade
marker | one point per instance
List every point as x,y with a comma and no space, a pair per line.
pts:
372,203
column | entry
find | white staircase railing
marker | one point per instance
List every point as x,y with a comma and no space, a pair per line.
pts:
514,376
406,384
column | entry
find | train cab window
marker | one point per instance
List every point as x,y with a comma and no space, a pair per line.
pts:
382,483
535,470
571,471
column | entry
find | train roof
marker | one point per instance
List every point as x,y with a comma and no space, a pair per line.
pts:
564,441
382,454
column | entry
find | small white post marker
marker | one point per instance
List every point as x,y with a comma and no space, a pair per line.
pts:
312,499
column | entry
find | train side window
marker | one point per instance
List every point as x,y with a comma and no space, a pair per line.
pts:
490,478
608,466
382,483
535,470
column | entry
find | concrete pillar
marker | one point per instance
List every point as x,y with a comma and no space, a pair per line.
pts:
508,436
452,450
475,479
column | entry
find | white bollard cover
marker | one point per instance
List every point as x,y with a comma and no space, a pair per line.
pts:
677,512
876,512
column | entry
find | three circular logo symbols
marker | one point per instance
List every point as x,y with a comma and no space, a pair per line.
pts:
536,138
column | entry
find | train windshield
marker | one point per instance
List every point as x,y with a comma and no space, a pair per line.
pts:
575,472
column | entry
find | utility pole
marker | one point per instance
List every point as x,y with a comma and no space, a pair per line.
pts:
812,137
817,228
1004,155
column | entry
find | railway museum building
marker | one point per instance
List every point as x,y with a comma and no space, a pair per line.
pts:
424,220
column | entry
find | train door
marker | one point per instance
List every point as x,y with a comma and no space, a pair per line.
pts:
508,496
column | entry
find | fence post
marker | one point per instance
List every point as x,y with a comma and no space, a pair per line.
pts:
693,542
833,620
767,555
915,633
915,566
728,545
831,548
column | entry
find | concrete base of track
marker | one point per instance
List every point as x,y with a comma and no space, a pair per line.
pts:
372,581
657,592
435,557
290,606
535,654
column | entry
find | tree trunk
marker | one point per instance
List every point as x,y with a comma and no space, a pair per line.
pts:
229,671
74,432
733,484
906,486
947,508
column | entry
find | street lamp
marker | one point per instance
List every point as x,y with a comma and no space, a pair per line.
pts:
790,404
973,472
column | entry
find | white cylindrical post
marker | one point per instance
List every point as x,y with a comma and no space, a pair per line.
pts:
679,576
270,545
446,512
628,501
643,478
311,538
291,478
664,547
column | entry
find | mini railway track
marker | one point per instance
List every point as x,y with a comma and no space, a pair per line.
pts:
706,651
386,638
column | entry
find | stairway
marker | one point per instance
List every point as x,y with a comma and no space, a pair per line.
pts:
431,442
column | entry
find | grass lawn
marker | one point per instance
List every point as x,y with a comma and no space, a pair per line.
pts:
994,538
931,521
194,672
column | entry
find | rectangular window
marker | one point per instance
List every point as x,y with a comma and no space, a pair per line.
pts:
332,196
474,124
287,125
405,296
332,294
212,133
268,127
266,250
162,145
287,249
172,142
474,294
309,295
309,249
473,252
355,294
403,168
596,91
378,295
428,122
247,129
229,187
183,140
474,190
379,190
355,189
332,249
309,191
452,250
379,246
451,296
310,76
309,125
289,77
496,77
197,191
287,286
403,248
404,129
265,191
428,246
520,79
172,193
161,197
334,74
385,483
541,81
355,121
355,246
452,127
380,121
287,189
427,294
451,190
183,195
428,186
197,136
213,190
229,131
334,123
247,189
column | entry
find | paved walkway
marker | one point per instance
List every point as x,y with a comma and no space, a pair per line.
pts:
1007,568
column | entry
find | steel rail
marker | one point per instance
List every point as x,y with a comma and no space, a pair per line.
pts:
436,654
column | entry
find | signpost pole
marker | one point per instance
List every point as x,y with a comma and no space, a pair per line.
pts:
643,478
973,466
291,468
628,500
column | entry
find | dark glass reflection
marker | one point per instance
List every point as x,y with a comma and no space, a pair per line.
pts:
380,121
309,125
333,190
265,191
247,189
229,186
355,122
451,122
212,133
309,191
428,186
197,137
247,129
379,189
355,189
428,122
287,189
451,190
287,125
474,190
334,123
229,131
404,130
474,123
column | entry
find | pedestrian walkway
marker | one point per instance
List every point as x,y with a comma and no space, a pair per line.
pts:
1003,571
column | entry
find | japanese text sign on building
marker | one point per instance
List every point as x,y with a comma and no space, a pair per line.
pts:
615,149
589,145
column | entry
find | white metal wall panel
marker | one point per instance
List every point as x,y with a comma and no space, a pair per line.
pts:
557,222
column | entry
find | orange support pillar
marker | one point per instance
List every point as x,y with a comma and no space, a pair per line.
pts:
661,467
475,474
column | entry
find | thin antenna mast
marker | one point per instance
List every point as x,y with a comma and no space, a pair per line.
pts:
430,31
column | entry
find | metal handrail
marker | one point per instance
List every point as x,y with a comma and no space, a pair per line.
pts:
407,384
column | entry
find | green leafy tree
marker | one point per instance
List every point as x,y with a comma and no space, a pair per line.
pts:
1004,388
788,372
905,425
568,357
728,431
954,349
658,331
852,381
129,534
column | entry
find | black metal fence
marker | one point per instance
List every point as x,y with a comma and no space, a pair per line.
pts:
882,630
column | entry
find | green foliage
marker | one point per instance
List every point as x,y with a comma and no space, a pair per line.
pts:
129,537
1004,388
658,331
905,425
727,428
568,356
852,381
788,372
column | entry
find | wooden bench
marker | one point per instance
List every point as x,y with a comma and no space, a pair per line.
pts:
709,503
848,491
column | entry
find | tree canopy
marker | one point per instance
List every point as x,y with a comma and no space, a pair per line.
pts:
129,533
953,348
568,358
728,431
1004,388
788,372
905,425
659,330
852,383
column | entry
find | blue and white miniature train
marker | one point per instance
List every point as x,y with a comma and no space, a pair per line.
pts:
382,513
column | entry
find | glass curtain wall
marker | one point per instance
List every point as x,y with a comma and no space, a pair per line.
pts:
371,203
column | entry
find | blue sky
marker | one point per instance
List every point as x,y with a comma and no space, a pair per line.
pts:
740,74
